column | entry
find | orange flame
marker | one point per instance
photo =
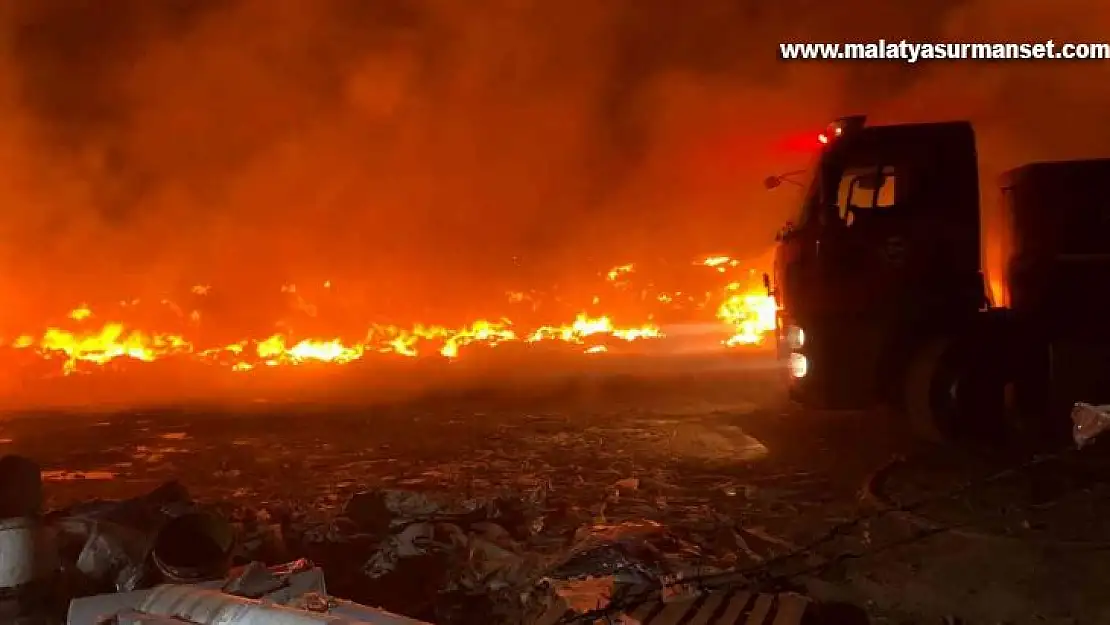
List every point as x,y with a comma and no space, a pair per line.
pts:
744,311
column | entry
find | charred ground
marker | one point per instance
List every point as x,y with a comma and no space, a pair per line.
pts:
714,456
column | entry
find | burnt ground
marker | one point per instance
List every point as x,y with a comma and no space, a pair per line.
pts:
715,451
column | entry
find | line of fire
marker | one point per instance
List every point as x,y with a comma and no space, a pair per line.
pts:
726,304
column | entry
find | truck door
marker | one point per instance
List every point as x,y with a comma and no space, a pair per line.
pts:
873,233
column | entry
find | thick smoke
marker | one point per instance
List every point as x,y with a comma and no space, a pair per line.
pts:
1023,111
417,147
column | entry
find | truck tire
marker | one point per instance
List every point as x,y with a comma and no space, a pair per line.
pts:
925,393
954,392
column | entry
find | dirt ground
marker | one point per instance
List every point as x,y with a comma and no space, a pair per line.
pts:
709,448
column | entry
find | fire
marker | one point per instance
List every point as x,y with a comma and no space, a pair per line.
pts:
273,351
746,314
584,326
616,273
109,343
720,263
751,314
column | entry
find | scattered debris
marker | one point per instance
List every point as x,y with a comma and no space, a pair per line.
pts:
163,558
1088,422
630,483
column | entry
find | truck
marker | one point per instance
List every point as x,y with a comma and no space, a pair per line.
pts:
882,297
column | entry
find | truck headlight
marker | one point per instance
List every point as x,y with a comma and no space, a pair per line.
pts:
799,366
795,337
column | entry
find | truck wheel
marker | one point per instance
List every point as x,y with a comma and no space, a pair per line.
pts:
929,393
954,392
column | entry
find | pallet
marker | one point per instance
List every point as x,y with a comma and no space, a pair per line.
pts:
714,608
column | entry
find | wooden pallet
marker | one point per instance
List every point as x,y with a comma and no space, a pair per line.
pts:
715,608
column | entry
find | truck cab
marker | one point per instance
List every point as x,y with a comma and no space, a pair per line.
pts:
884,251
881,297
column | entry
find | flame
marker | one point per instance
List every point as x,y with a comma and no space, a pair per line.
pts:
81,312
751,311
584,326
616,273
720,263
109,343
751,314
745,312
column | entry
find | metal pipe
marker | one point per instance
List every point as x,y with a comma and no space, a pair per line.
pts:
193,547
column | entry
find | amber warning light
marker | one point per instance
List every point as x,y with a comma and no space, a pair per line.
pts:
840,126
834,131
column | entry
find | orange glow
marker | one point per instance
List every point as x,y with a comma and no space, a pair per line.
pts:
745,312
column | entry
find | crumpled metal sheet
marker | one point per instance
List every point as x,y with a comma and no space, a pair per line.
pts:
478,563
609,563
280,584
114,538
417,539
468,547
113,554
382,511
625,548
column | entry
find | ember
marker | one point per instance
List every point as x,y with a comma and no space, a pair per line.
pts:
742,308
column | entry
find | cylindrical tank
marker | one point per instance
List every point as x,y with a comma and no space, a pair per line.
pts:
196,605
28,552
172,603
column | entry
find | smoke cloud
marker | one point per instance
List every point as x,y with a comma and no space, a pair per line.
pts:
415,148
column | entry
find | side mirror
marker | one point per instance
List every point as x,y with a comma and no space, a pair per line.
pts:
772,182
